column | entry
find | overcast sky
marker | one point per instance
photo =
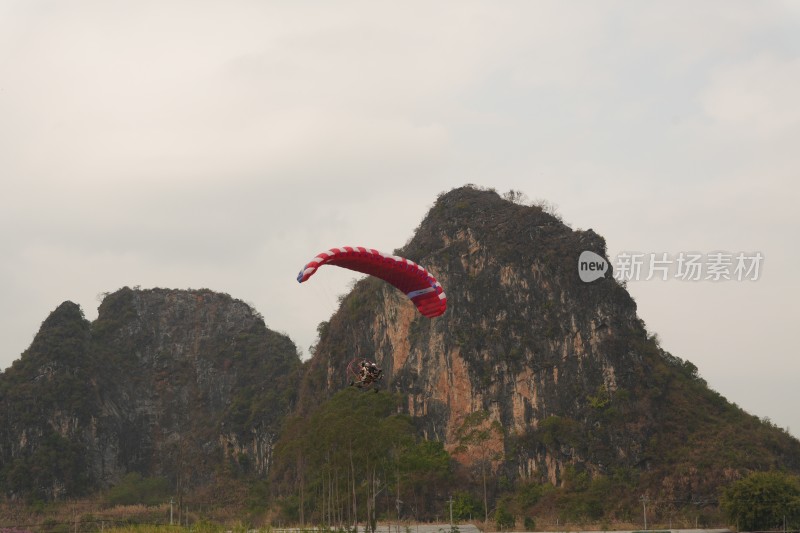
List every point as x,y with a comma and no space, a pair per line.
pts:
221,145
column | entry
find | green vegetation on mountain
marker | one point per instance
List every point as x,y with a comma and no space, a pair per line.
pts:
338,465
764,501
50,377
134,489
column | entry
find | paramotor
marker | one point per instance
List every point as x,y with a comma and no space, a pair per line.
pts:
363,373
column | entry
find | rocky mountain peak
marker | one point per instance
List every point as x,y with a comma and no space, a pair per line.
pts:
566,369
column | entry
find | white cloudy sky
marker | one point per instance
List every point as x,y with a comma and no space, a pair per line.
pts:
190,144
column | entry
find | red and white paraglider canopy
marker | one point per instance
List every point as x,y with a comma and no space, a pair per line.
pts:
416,282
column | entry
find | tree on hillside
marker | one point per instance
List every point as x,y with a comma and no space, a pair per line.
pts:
425,470
336,462
473,435
763,500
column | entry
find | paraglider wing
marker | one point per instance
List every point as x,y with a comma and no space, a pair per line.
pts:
416,282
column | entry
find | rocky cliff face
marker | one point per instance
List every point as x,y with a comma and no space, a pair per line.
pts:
165,383
565,368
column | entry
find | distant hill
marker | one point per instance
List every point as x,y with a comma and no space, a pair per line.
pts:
166,383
